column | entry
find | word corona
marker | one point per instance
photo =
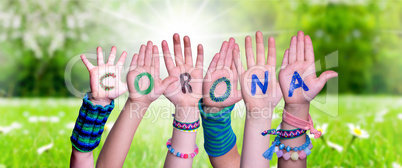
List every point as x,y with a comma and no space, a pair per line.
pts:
256,81
105,87
293,84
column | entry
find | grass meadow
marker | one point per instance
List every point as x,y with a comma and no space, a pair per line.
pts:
29,125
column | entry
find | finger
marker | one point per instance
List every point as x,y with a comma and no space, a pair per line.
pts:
229,53
300,46
249,53
214,63
112,56
292,50
148,54
86,62
134,61
167,82
237,60
177,50
324,77
122,59
222,53
167,56
271,52
236,92
308,50
259,39
285,60
100,56
155,61
200,57
141,55
187,51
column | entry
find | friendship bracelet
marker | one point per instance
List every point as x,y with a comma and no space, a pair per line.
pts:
298,152
89,125
187,127
285,134
219,137
178,154
299,123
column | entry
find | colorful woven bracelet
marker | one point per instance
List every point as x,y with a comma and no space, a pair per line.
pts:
178,154
285,134
89,125
219,137
187,127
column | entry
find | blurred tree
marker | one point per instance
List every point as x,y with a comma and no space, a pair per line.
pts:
38,38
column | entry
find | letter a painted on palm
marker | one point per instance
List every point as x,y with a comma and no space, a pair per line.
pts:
294,85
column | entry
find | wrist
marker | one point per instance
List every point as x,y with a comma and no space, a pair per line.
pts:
98,100
262,114
187,113
298,110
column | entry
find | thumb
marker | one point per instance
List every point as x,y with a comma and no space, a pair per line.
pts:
325,76
168,81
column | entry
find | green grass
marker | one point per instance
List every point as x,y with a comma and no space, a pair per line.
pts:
19,147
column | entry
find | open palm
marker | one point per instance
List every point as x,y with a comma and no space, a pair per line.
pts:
299,61
105,79
187,90
222,68
143,80
269,93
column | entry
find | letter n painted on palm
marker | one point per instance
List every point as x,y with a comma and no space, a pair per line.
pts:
256,81
294,85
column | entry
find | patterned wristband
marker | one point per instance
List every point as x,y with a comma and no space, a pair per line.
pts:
219,137
285,134
89,125
186,127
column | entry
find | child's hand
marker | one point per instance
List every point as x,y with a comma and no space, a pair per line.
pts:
220,82
144,83
259,86
105,79
297,77
186,91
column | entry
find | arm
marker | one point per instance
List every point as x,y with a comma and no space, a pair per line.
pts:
260,101
145,86
100,97
300,85
184,94
220,92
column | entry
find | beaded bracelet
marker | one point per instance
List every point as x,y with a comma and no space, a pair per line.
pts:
285,134
178,154
186,127
298,152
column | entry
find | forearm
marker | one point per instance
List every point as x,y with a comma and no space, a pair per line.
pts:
183,142
300,111
81,159
119,140
254,144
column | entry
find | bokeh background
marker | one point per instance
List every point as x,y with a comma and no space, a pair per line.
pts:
42,77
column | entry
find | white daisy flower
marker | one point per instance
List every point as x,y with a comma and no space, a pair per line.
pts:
356,131
7,129
44,148
322,128
337,147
